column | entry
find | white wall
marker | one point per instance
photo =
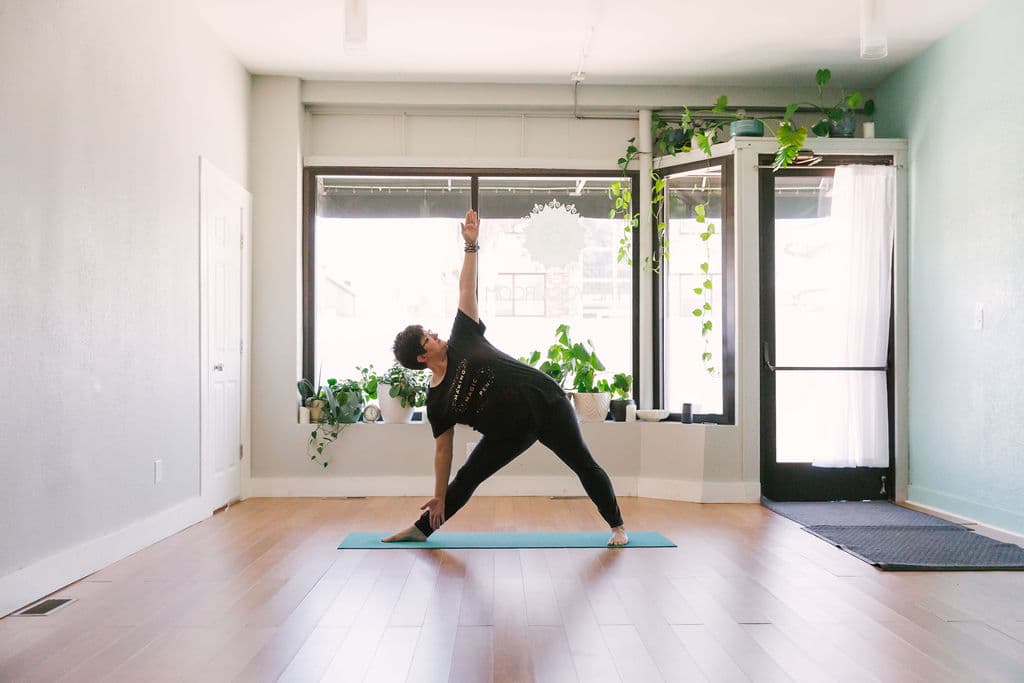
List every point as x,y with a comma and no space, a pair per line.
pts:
106,108
277,121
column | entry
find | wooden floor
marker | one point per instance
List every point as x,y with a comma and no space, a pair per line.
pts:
260,593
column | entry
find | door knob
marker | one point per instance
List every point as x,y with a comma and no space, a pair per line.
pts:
219,367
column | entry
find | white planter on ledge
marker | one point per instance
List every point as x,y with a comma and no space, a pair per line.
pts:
592,407
391,408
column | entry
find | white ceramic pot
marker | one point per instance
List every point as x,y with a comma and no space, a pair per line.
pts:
592,407
391,408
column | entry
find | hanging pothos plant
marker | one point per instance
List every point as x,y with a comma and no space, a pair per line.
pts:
622,196
703,313
696,129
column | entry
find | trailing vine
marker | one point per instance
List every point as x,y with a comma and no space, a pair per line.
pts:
703,313
337,404
322,436
623,208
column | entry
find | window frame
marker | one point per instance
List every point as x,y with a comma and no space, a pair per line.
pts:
727,230
310,174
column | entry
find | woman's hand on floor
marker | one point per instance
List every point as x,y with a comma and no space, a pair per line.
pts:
435,506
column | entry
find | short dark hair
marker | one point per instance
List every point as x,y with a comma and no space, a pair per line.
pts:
409,345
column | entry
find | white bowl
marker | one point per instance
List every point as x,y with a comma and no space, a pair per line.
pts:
652,415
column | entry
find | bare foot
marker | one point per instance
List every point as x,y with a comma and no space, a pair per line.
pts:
619,536
410,534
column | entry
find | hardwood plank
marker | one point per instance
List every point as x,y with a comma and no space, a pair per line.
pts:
584,638
631,658
234,656
477,607
315,655
432,658
391,661
510,649
412,605
714,662
1014,629
355,655
658,637
472,655
550,655
792,659
745,651
539,593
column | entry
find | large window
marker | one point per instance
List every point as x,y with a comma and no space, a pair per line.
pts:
548,257
697,362
384,251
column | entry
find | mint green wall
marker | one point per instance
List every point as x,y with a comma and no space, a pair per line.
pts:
961,106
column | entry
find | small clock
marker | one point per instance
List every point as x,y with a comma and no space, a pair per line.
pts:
371,414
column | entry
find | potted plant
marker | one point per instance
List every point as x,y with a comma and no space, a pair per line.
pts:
368,380
701,128
337,404
575,366
838,120
591,396
400,391
309,398
619,386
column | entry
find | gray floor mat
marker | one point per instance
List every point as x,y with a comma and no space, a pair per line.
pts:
854,513
923,547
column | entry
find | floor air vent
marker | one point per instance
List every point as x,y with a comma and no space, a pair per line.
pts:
44,608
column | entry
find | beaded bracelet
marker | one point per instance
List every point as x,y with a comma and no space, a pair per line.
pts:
472,248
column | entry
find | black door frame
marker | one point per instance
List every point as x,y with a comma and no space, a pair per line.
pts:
801,481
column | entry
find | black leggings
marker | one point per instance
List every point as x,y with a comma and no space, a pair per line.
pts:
560,433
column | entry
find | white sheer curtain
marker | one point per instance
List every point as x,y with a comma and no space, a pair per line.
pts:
840,418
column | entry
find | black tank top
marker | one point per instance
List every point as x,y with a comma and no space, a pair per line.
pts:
486,389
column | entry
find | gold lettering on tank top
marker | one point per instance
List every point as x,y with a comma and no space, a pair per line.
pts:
469,389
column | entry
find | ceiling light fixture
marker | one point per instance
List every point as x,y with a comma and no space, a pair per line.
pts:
355,27
873,44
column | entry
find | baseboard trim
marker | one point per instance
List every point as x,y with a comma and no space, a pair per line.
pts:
986,515
29,584
699,491
327,487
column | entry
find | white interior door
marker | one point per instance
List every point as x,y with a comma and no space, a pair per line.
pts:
223,219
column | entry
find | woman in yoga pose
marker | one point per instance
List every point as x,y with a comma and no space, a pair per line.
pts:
511,404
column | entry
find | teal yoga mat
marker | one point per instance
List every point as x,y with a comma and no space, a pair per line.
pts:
509,539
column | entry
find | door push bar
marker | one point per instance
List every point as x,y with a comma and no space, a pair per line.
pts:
773,368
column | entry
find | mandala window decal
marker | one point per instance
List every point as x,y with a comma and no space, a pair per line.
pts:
553,234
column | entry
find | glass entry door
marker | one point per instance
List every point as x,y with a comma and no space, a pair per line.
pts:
826,333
